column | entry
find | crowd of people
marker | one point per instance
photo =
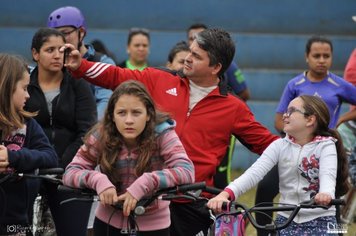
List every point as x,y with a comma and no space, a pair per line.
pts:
125,129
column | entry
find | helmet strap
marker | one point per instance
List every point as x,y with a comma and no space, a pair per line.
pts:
80,38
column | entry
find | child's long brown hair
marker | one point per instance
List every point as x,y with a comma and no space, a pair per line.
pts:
314,105
110,141
12,69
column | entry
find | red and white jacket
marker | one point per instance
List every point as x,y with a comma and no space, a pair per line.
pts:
205,131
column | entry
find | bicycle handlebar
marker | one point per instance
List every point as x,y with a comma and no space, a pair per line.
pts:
188,187
184,191
50,171
272,227
38,174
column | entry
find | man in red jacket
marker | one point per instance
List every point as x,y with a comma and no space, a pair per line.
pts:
206,114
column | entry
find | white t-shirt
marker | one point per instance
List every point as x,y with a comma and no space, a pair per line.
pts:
197,93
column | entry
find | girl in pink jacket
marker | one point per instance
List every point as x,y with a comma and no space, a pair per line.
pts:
130,153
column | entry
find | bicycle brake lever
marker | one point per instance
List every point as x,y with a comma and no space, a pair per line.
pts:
195,194
212,216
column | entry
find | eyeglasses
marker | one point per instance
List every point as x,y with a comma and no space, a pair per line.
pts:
291,110
66,33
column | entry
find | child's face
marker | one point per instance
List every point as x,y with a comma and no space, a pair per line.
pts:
294,119
130,117
21,95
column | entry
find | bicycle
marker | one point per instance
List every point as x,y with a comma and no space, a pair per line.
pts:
235,209
41,174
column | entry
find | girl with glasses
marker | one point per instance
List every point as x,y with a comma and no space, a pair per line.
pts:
311,164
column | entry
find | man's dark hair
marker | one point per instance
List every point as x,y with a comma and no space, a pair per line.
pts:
197,26
219,45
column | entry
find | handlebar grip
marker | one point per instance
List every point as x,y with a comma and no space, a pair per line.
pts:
66,189
337,202
212,190
226,206
51,171
78,191
189,187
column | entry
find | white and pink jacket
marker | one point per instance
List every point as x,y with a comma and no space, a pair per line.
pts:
303,172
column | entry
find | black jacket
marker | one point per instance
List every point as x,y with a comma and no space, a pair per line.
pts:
73,113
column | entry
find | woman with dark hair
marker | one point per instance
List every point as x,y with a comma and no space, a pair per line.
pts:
66,110
138,48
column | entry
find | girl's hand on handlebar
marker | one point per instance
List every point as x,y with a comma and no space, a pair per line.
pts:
129,203
4,159
322,199
216,203
108,196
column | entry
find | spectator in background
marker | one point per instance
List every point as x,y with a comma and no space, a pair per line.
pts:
71,22
100,47
236,85
347,129
66,110
318,81
138,48
347,132
177,55
350,69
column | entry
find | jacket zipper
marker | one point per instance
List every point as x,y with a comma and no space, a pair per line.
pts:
124,230
298,161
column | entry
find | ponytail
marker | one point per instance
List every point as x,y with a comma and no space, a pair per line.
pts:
342,184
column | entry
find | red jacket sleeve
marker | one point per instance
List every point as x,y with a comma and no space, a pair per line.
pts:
350,71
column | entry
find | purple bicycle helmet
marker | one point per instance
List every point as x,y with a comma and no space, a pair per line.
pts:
66,16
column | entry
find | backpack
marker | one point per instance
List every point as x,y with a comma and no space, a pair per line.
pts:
230,225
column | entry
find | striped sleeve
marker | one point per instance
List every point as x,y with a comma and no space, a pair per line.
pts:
81,173
178,168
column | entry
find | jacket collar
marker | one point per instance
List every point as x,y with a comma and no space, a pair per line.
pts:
317,139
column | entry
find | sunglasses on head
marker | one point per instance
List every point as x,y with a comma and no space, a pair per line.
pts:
136,30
